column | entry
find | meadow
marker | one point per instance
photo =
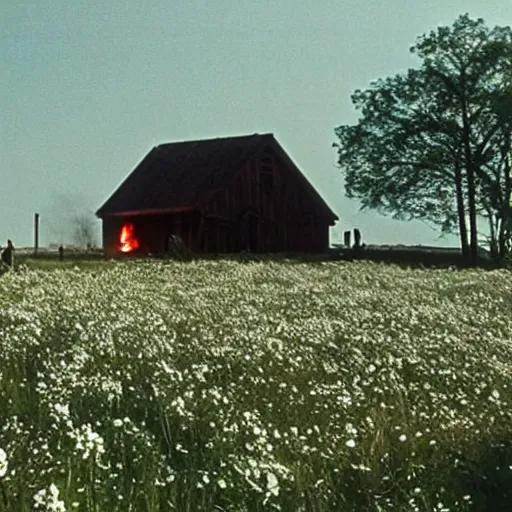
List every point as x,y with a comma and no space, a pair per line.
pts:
254,386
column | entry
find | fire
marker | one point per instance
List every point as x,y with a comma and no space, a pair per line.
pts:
128,240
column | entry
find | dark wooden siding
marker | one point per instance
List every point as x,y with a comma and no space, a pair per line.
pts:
265,192
152,231
264,209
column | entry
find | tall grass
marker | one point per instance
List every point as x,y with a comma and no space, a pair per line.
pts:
202,386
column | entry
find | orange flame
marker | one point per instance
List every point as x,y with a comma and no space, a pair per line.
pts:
128,241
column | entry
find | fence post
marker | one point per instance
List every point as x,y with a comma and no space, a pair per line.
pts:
346,238
36,233
357,238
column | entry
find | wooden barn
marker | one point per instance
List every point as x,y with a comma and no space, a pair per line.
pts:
219,196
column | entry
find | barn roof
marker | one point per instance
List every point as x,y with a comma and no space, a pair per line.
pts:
181,176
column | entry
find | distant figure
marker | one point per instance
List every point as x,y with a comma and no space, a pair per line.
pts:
176,248
8,254
61,252
174,245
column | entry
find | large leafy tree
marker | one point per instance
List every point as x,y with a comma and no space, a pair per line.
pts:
434,143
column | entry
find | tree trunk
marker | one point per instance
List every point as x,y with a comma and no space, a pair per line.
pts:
473,230
463,231
505,235
470,173
502,240
506,221
493,229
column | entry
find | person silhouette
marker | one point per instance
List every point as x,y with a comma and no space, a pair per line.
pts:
7,255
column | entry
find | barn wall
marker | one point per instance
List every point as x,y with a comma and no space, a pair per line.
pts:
265,209
152,231
111,227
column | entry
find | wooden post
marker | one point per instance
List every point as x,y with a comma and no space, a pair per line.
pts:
346,239
357,238
36,233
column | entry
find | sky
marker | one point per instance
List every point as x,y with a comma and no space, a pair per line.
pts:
88,87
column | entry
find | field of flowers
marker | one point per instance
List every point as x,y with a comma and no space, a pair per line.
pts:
253,386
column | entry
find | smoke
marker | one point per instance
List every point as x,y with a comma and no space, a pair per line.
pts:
69,219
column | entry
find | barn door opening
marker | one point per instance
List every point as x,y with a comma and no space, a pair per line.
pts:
249,232
252,232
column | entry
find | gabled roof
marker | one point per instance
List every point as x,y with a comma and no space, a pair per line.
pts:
183,175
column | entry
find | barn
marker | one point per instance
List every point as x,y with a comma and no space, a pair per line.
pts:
220,195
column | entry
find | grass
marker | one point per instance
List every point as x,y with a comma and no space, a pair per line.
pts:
216,385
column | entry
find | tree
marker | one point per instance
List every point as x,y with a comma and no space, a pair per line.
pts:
83,230
432,143
495,195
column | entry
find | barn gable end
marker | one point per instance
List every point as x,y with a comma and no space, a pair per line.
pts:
220,196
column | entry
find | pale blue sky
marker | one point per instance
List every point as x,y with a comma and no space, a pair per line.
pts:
88,87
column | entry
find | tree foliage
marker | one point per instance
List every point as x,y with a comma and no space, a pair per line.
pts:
434,143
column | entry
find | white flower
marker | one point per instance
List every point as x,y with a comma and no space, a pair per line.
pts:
118,423
350,443
179,448
3,463
39,498
272,484
93,436
402,438
49,500
62,410
222,483
54,504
